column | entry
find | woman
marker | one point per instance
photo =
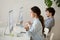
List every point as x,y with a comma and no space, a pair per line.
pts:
37,27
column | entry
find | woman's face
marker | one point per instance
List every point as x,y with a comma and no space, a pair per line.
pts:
32,14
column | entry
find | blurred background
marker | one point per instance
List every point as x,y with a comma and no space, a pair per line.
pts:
15,5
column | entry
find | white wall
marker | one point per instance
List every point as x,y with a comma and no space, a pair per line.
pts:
7,5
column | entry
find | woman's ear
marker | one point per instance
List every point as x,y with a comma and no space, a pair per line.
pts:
35,15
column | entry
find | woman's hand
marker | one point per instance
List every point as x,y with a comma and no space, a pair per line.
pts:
26,27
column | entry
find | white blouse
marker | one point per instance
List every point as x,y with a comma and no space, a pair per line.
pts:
36,30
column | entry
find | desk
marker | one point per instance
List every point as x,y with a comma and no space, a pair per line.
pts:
9,37
13,38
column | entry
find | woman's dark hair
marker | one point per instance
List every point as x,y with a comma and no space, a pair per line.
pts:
51,10
36,10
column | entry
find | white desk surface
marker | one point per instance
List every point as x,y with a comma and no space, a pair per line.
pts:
5,37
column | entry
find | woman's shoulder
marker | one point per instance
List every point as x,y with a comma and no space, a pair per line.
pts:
37,21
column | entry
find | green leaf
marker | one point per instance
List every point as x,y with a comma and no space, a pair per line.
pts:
58,3
48,3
